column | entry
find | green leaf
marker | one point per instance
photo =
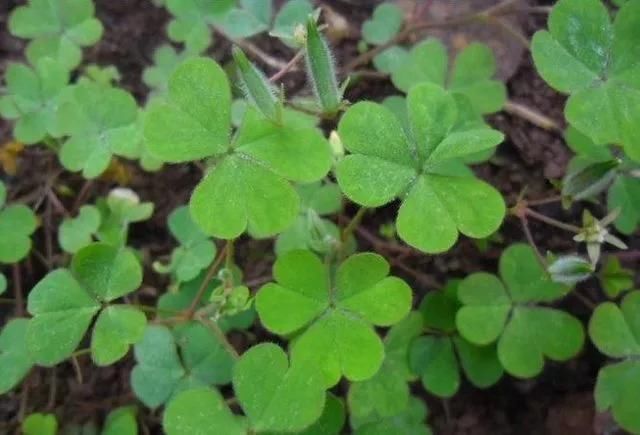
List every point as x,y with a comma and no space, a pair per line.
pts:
332,419
507,313
385,164
411,421
76,233
390,59
3,283
101,122
583,54
294,13
624,195
121,421
321,69
161,372
471,75
117,327
195,121
384,24
252,18
57,28
614,278
62,311
17,223
192,19
616,332
274,395
33,97
588,181
40,424
200,411
15,361
436,360
165,61
334,318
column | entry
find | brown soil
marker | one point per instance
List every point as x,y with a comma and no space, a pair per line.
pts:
557,402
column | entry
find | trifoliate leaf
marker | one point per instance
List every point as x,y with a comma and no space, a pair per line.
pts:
615,331
385,164
64,302
15,361
200,411
526,333
165,61
595,61
253,17
33,97
117,328
17,223
614,278
57,28
384,24
76,233
101,121
239,191
411,421
161,372
334,319
276,395
471,75
387,392
192,19
121,421
40,424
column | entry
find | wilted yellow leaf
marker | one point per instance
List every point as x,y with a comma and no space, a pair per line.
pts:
9,153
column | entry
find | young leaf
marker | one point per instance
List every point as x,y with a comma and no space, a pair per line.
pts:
614,278
292,16
15,361
121,208
17,223
40,424
276,395
615,331
101,121
200,411
321,69
384,24
583,54
121,421
624,195
471,75
64,303
506,311
76,233
161,372
570,269
33,97
57,28
334,318
385,164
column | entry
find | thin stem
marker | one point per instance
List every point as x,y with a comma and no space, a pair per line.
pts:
544,201
81,352
254,50
205,283
529,236
17,290
550,221
353,224
585,300
213,327
288,67
534,117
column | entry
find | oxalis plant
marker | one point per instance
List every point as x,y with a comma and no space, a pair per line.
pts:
340,335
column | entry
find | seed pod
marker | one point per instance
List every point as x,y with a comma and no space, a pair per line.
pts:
256,87
321,69
570,269
590,180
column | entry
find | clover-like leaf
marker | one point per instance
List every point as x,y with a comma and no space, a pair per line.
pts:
200,411
384,24
472,73
192,19
101,121
387,392
440,355
121,421
196,250
57,28
614,278
32,99
161,372
506,311
385,164
40,424
615,331
118,210
251,18
64,303
15,361
332,419
410,421
334,319
76,233
17,223
595,61
165,61
624,195
117,328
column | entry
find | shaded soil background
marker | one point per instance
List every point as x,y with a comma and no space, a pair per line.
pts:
557,402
